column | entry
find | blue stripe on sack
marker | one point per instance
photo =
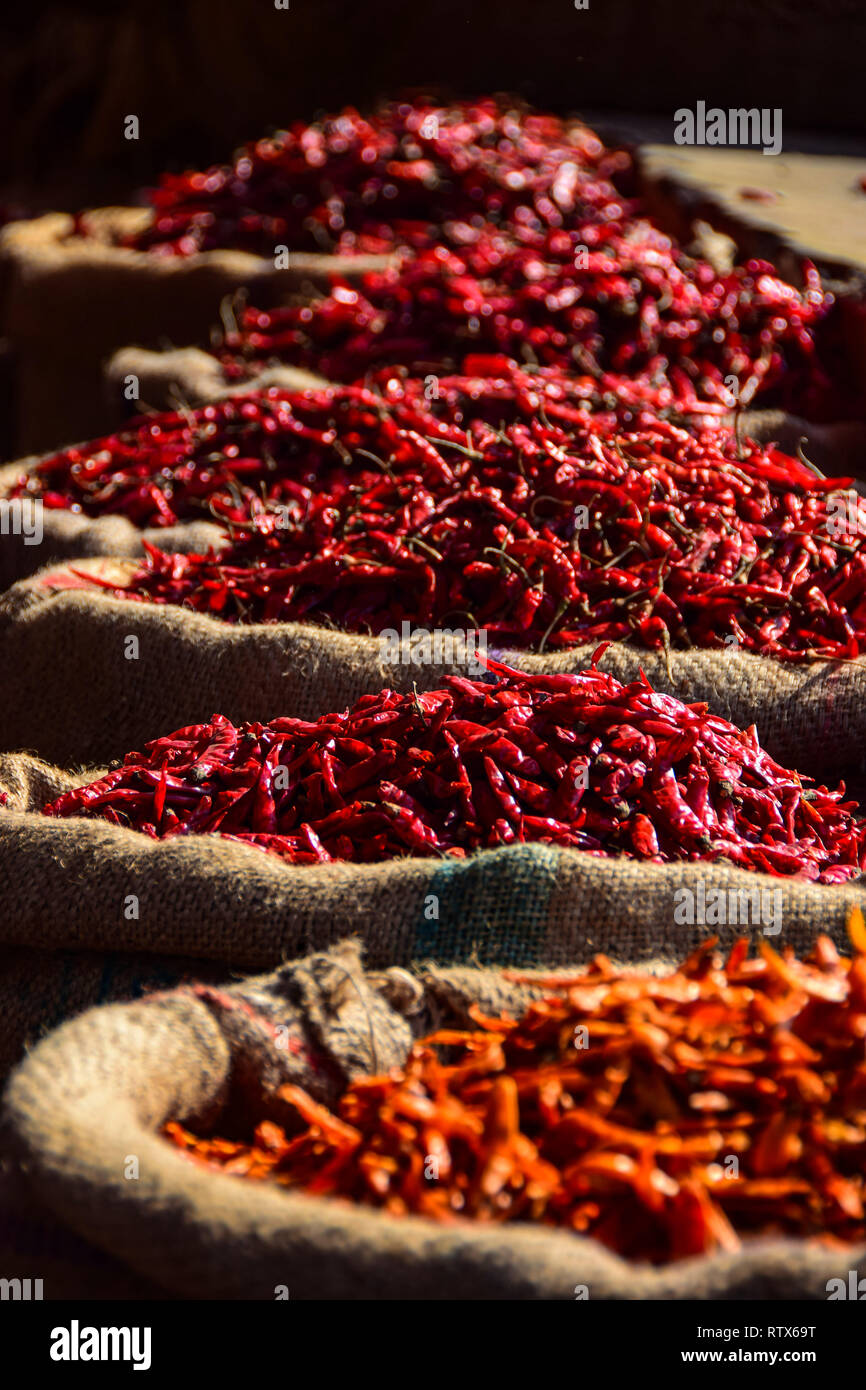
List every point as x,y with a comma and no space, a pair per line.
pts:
492,908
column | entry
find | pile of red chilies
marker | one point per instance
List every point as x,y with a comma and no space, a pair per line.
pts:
572,760
412,174
518,239
723,1100
634,305
547,533
221,459
514,236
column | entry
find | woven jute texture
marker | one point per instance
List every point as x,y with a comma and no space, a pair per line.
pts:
70,301
189,377
40,989
47,976
35,1245
77,688
84,1110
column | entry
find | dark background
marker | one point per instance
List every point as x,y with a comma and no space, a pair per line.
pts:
205,75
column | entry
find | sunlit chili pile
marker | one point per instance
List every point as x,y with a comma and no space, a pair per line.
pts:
664,1116
574,760
560,528
215,462
629,302
412,174
521,233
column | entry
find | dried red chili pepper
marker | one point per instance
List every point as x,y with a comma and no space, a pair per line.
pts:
663,1115
412,173
525,238
276,446
599,299
574,760
557,528
212,463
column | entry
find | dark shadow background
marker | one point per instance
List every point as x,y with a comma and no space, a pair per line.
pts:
205,75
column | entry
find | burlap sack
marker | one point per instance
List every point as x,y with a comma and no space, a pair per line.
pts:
40,989
71,694
49,977
188,376
93,911
92,1097
69,301
34,1245
67,535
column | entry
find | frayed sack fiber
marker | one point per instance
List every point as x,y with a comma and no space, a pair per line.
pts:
95,1094
88,677
70,301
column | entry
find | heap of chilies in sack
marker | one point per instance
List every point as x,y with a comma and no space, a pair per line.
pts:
573,760
595,491
412,174
531,437
509,504
663,1115
514,232
634,308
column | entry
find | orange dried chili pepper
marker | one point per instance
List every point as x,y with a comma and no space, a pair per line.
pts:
723,1100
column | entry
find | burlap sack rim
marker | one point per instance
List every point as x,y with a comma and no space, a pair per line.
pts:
52,237
743,686
38,587
342,892
73,1131
69,534
194,362
46,274
197,378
